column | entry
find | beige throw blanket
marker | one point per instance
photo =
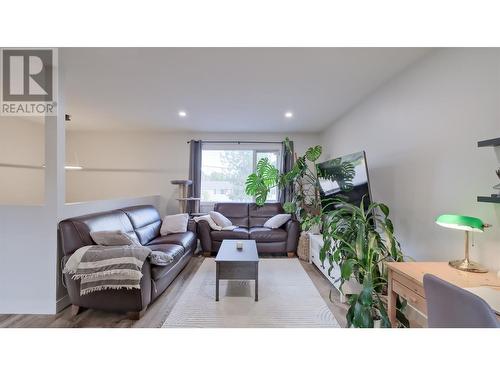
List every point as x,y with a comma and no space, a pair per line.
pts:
107,267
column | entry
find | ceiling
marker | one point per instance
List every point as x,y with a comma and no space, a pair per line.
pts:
222,89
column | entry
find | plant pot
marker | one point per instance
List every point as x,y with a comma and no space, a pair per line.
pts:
315,229
303,247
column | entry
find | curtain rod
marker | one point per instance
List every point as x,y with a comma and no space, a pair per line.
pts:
238,142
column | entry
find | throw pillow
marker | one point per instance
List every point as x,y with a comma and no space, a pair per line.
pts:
174,224
159,258
277,221
113,238
220,219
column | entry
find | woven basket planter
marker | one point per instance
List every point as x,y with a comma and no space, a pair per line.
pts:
303,248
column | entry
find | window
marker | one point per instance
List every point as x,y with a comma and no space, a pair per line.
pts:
225,167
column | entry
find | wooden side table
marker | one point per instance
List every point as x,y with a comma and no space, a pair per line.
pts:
405,279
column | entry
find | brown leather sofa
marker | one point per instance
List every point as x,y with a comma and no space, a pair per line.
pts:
250,219
142,223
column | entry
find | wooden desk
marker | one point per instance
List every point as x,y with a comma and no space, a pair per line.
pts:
406,280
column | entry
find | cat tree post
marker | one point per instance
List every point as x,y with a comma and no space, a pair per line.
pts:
183,196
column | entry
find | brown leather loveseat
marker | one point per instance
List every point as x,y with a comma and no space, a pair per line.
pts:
142,223
250,219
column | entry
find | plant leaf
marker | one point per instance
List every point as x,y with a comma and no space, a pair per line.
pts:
384,209
366,295
259,184
346,269
313,153
290,207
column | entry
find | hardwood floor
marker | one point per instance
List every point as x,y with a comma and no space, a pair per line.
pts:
158,311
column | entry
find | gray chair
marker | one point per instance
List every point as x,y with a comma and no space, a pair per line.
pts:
449,306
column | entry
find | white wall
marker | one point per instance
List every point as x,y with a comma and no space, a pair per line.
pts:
142,163
22,148
420,133
28,229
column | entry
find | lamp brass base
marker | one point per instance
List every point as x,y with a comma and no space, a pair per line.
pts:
468,266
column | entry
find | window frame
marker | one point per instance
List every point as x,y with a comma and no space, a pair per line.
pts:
255,148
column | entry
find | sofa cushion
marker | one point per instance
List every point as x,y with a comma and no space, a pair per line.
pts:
235,234
261,234
237,213
145,220
258,215
186,239
175,251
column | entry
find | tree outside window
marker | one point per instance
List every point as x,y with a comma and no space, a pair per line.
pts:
225,171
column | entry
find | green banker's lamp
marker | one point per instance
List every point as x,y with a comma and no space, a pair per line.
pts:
467,224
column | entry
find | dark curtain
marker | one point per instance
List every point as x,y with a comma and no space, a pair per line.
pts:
287,160
194,171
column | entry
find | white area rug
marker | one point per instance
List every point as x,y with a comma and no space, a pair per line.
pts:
287,298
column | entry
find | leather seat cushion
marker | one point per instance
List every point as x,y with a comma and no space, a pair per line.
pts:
235,234
175,251
187,240
261,234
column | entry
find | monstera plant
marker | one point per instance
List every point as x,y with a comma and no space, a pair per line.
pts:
304,182
259,184
360,240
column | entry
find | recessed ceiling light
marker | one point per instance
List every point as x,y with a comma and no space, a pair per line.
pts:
288,114
182,114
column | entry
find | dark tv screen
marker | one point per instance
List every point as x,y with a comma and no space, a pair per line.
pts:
346,178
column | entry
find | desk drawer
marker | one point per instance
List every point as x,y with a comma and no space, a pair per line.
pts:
409,283
413,298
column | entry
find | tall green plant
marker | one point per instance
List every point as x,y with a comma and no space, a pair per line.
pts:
360,239
302,180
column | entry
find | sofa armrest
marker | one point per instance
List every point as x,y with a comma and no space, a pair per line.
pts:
204,235
292,228
122,300
192,226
